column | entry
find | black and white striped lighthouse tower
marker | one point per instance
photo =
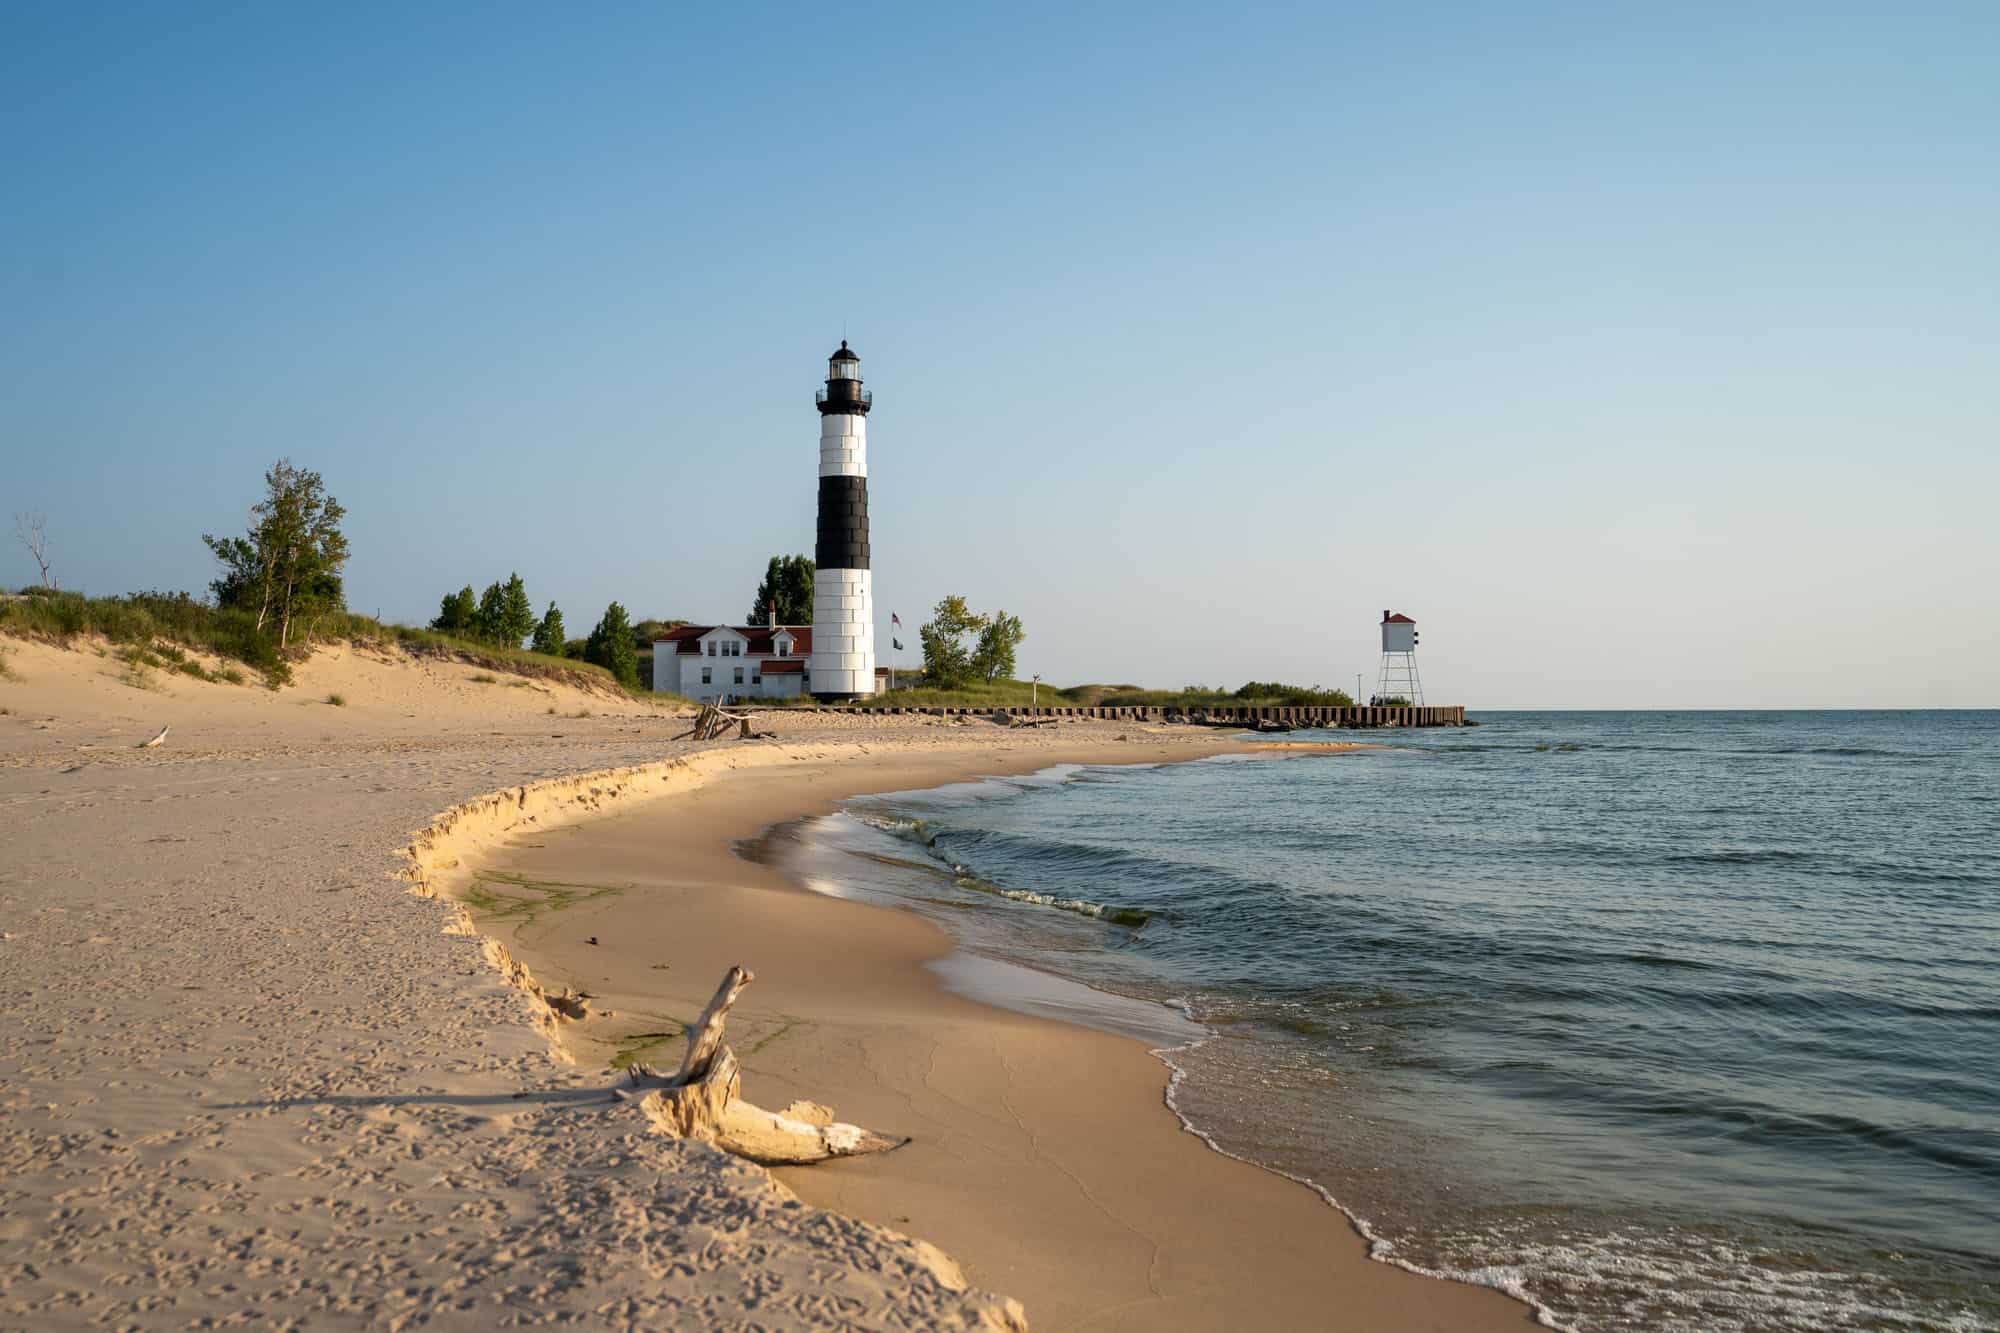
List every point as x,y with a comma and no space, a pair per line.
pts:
843,644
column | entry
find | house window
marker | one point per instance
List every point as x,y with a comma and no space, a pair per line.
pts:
739,675
711,649
756,676
707,672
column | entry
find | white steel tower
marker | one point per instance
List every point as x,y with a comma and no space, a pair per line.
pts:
1399,679
842,665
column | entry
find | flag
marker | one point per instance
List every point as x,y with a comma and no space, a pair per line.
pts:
897,642
895,620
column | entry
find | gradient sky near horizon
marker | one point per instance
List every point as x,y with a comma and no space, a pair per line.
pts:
1648,356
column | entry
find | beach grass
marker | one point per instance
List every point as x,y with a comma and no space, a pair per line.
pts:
337,700
163,627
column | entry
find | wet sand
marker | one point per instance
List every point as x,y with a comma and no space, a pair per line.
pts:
1043,1156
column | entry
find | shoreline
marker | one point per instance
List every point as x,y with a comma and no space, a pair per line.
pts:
1184,1234
1166,1028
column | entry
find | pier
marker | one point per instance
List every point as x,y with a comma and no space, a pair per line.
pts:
1253,716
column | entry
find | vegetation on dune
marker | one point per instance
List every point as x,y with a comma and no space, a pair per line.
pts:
951,663
167,625
32,531
501,616
548,639
788,582
611,646
280,593
147,620
286,569
458,614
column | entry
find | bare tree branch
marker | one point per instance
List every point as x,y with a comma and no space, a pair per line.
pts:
33,530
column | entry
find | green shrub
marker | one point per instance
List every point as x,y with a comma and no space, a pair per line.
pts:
337,700
167,626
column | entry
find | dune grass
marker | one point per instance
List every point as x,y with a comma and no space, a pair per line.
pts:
160,628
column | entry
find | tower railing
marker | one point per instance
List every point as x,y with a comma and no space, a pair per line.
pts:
858,397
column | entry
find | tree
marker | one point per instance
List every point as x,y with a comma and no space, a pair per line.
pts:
517,613
549,633
646,632
33,530
288,567
788,581
993,658
486,626
458,614
610,646
947,663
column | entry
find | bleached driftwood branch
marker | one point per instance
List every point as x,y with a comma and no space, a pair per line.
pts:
702,1101
712,721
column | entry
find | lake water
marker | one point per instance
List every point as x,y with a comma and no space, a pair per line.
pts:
1661,1020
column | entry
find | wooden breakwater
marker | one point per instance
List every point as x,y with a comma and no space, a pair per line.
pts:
1253,716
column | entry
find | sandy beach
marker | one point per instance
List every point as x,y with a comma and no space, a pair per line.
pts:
250,1074
1043,1156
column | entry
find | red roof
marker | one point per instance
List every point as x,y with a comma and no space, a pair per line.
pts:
1398,619
686,638
785,666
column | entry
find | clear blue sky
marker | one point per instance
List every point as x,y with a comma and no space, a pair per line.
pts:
1648,355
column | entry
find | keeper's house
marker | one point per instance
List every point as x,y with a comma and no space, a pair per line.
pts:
711,663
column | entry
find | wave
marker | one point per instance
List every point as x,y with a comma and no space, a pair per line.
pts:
1716,960
1133,918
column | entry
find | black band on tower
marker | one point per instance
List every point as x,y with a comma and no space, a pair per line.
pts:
843,523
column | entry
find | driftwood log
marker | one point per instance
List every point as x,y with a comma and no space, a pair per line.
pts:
712,721
703,1101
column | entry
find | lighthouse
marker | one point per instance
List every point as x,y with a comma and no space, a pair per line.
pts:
842,665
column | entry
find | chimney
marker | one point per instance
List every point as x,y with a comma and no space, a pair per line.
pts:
1385,614
774,613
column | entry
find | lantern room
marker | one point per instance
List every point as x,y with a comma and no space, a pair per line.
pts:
843,394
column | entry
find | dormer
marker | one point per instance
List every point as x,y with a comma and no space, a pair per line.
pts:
781,643
722,641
